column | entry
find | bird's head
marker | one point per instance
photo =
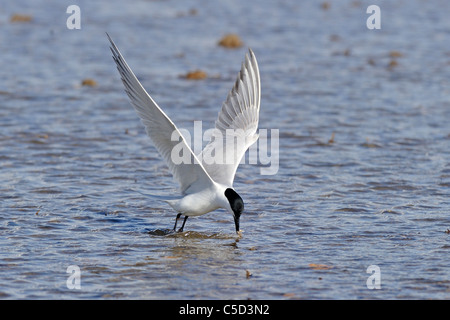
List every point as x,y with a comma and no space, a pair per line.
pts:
236,205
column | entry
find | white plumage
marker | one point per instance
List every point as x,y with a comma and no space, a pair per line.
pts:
205,186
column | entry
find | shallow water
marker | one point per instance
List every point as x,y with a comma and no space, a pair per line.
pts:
364,151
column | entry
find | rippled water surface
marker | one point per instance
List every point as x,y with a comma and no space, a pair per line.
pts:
364,151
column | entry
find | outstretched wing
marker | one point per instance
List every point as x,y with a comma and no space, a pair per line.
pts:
191,176
236,125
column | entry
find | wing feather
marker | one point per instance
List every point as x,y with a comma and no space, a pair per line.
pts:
240,115
191,176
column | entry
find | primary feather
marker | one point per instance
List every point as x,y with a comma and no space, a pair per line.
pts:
236,125
191,176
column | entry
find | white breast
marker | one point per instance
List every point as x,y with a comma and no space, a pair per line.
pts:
202,202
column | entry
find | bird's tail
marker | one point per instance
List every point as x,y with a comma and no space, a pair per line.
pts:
173,203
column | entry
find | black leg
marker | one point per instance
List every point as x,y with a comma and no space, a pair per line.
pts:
176,220
184,221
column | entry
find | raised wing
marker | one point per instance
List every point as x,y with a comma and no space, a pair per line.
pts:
190,174
236,125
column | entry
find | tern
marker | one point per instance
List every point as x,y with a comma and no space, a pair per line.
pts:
204,186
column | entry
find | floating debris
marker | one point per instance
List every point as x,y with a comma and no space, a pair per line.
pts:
331,141
248,274
196,75
325,5
316,266
346,53
89,82
231,40
392,64
369,144
335,38
395,54
41,135
191,12
20,18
